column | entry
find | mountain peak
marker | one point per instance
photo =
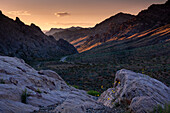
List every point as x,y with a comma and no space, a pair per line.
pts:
35,27
168,2
19,21
120,13
0,12
28,42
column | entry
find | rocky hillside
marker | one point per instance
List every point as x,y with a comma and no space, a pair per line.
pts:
142,25
29,42
115,21
79,35
121,27
140,44
23,89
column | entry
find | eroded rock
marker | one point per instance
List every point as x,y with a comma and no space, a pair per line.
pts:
45,90
140,92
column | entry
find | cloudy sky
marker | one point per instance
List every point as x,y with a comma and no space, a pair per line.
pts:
66,13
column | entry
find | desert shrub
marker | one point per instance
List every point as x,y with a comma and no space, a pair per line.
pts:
117,104
93,93
2,81
38,91
75,86
159,109
24,96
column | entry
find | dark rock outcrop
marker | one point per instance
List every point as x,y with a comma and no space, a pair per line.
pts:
29,42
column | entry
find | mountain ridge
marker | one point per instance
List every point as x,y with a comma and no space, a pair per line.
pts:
146,20
112,28
29,42
56,30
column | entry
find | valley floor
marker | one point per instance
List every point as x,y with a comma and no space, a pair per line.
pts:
97,71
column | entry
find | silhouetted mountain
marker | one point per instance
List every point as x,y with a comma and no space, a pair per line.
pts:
29,42
112,21
52,31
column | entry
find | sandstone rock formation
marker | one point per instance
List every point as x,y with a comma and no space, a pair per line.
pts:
140,92
41,89
29,42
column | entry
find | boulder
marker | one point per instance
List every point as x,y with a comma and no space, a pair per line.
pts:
139,92
23,89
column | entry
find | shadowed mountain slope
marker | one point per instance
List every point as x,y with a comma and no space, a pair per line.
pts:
29,42
146,23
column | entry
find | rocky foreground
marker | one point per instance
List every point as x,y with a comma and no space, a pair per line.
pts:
23,89
139,92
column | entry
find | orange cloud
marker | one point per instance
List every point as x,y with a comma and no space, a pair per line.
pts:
23,13
61,14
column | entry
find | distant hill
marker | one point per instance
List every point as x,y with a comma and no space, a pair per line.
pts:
52,31
80,35
72,34
29,42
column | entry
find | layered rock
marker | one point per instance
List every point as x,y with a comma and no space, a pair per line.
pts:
139,92
42,89
29,42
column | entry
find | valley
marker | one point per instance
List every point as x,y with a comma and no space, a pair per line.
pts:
122,41
91,71
121,65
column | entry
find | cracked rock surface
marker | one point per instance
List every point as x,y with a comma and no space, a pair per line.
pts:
140,92
45,89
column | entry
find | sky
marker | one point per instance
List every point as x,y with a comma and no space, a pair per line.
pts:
49,14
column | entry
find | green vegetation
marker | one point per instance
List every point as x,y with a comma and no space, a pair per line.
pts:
98,67
93,93
159,109
24,96
152,60
117,104
2,81
38,91
75,86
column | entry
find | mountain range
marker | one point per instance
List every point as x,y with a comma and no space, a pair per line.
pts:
96,80
151,22
29,42
141,44
57,30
